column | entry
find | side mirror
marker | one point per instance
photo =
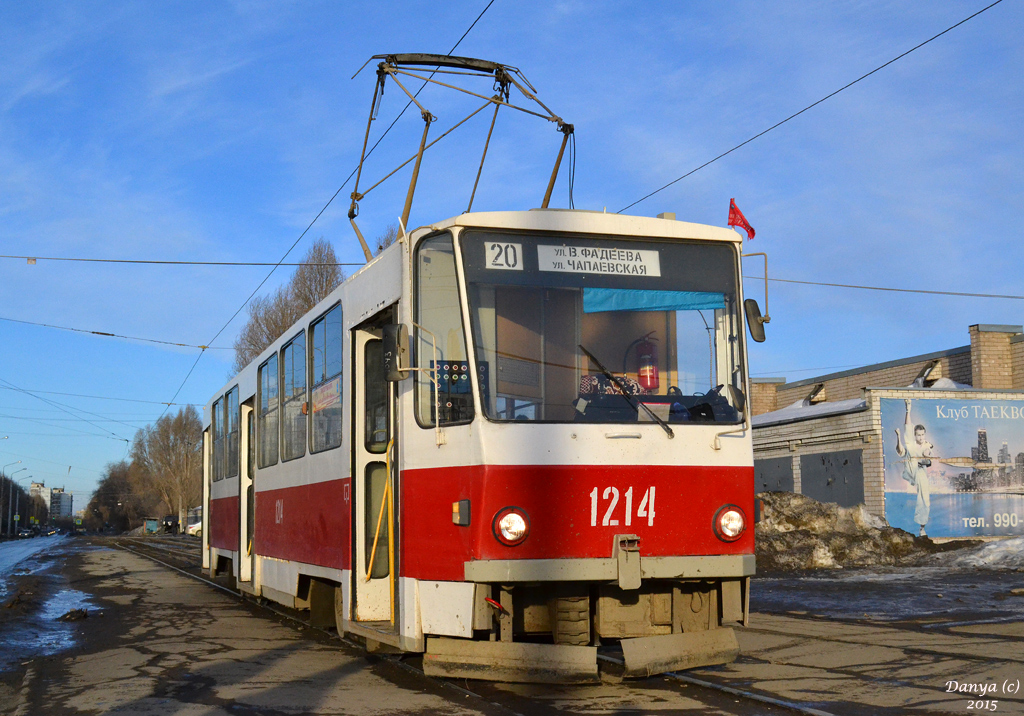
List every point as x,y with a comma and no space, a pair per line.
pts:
754,321
736,398
396,351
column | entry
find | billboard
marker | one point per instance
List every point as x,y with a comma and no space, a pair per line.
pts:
954,468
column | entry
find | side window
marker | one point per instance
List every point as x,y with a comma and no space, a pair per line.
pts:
231,432
251,452
325,377
293,398
267,429
439,311
377,423
217,427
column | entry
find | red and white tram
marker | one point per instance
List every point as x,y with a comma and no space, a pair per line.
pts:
509,438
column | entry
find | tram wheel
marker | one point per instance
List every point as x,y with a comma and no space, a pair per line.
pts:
571,620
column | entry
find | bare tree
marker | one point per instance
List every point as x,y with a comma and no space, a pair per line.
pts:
124,497
385,240
318,275
170,453
270,316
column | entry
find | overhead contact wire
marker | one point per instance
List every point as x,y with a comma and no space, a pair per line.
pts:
962,294
161,262
811,106
306,230
110,335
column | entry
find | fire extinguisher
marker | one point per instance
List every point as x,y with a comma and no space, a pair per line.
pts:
647,362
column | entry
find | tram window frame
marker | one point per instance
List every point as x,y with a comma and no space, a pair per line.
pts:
250,457
314,383
423,358
289,402
208,453
727,355
232,416
264,436
376,399
216,430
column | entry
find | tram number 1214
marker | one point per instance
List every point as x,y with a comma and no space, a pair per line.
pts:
611,496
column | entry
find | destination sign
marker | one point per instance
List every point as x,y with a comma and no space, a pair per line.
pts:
589,259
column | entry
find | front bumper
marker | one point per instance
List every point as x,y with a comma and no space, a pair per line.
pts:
508,571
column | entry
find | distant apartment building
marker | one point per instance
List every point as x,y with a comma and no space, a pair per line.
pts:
38,489
60,502
909,439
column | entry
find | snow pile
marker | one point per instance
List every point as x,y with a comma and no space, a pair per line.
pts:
804,410
1004,554
797,532
941,384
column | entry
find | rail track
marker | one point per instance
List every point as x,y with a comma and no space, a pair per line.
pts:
186,560
187,555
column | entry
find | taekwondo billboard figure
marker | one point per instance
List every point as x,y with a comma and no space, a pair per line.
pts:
917,453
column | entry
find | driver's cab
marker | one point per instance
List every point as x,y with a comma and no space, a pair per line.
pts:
591,329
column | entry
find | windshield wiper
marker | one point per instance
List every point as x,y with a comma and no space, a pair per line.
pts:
636,404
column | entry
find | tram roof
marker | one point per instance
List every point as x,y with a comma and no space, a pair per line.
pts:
590,222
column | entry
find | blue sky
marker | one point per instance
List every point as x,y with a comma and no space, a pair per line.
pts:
217,131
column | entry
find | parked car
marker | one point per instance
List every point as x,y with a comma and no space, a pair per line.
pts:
195,522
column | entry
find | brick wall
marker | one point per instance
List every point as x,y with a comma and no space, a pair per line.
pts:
1017,359
956,367
763,395
991,363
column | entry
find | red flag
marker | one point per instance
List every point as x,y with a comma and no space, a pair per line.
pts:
736,218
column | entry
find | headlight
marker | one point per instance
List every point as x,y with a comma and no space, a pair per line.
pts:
729,523
511,526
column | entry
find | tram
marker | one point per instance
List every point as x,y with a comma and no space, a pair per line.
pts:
509,439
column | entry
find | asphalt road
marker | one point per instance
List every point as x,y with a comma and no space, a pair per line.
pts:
157,642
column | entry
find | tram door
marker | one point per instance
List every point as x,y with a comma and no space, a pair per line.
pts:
374,498
247,498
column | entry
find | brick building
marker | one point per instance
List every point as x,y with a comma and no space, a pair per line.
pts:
834,437
993,360
61,503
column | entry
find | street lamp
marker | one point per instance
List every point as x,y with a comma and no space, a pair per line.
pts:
4,473
11,494
17,506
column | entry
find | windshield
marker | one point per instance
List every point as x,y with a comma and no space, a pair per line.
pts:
585,329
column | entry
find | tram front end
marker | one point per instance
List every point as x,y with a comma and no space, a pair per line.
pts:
585,380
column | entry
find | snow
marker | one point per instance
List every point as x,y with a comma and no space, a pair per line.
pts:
941,384
1004,554
804,410
799,533
13,551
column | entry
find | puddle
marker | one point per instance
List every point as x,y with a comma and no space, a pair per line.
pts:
30,566
40,634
